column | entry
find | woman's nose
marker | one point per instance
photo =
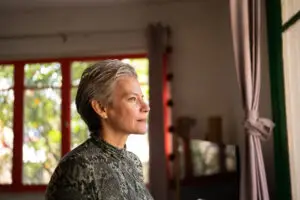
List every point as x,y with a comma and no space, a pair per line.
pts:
145,107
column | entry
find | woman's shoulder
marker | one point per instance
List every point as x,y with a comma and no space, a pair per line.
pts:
132,156
75,167
136,162
84,157
76,153
76,158
78,163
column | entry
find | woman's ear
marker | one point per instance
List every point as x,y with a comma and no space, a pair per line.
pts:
99,109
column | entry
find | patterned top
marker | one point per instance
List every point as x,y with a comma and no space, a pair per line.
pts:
96,170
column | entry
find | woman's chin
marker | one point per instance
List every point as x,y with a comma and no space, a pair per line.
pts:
140,131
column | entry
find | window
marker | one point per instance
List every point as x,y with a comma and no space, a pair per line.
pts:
6,125
291,72
79,130
289,8
44,124
283,18
135,143
41,122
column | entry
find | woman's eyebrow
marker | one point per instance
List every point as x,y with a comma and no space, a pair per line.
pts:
134,93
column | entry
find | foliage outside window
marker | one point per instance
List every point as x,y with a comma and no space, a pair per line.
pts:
6,122
42,136
136,143
42,110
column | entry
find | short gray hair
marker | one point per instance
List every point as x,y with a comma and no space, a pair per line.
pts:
97,83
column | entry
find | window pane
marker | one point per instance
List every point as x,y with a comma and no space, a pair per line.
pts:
206,157
289,8
7,77
145,90
43,75
138,144
79,130
77,69
6,123
42,135
6,135
291,62
141,67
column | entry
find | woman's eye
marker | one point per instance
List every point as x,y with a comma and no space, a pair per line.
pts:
132,99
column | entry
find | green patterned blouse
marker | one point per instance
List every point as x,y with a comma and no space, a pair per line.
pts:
96,170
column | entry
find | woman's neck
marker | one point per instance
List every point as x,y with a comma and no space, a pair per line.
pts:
113,138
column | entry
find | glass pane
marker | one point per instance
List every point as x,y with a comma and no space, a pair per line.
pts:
6,122
42,135
6,135
139,144
79,129
141,67
77,69
145,90
43,75
291,62
207,157
7,76
288,9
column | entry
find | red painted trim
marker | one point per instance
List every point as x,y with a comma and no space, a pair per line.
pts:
41,87
166,97
18,125
71,59
66,107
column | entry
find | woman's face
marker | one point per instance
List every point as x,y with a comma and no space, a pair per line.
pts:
128,111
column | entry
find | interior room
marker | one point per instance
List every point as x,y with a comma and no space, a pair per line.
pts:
194,147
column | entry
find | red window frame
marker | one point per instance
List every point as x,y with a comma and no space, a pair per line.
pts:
17,185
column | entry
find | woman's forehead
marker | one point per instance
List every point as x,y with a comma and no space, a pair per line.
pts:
127,85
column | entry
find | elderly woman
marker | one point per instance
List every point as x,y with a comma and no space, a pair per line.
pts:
110,101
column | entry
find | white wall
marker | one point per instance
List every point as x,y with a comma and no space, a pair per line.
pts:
202,62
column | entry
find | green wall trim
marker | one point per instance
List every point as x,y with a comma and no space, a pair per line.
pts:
281,155
291,21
